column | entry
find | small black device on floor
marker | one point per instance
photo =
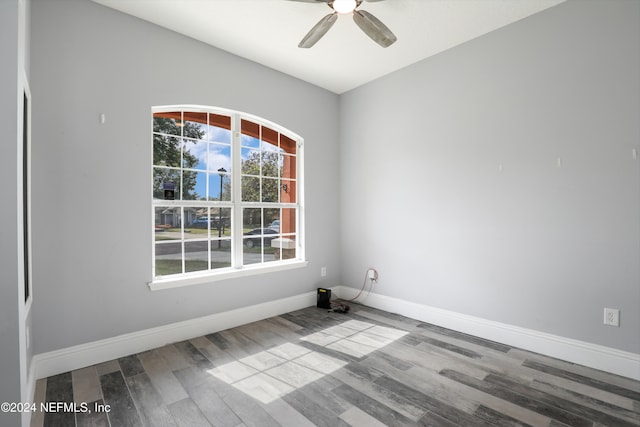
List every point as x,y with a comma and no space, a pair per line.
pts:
324,298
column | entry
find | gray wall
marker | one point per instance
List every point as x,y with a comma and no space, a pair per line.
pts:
537,246
91,183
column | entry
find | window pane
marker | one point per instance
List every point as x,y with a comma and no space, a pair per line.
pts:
269,139
220,222
250,128
287,191
251,252
168,258
195,125
288,165
219,128
288,220
219,135
250,134
269,136
257,245
194,185
250,189
168,123
288,145
165,178
166,150
250,162
268,251
219,187
220,253
287,247
249,141
196,217
269,216
270,165
196,256
167,223
195,222
251,218
269,190
194,154
219,157
252,235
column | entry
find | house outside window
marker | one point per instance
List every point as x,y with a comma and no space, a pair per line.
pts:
227,193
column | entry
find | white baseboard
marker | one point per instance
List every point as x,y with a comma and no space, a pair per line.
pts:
79,356
592,355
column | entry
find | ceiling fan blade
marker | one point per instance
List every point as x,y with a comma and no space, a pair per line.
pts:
370,1
315,1
319,30
374,28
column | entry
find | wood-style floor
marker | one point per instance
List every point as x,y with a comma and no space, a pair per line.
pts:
366,368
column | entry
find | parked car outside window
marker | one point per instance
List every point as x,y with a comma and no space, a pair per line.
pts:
201,221
258,232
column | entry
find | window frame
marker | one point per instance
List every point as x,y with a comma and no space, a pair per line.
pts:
236,204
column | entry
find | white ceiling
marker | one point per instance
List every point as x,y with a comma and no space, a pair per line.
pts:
268,32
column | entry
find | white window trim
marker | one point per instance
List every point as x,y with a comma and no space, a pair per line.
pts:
209,276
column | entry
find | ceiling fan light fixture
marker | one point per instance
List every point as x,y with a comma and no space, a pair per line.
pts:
344,6
369,24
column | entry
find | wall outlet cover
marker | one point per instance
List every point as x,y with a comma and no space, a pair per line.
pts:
611,317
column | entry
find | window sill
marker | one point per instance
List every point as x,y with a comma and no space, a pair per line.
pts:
170,283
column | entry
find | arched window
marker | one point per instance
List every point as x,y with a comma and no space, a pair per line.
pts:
227,193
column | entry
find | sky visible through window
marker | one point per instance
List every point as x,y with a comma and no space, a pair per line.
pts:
214,154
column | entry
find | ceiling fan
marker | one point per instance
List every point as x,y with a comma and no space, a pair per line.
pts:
368,23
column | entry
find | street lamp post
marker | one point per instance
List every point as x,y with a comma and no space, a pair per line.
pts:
221,172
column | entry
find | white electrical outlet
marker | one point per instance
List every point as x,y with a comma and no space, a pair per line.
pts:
611,317
323,271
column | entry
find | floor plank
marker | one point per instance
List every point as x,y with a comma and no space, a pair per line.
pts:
187,414
149,402
86,385
59,390
313,410
122,411
40,396
162,377
93,418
